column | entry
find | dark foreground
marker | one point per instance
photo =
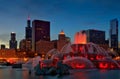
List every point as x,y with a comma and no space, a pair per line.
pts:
9,73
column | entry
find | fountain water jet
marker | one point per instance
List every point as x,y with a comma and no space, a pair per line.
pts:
80,38
51,53
31,63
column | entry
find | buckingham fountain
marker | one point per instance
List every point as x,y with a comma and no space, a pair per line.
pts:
79,55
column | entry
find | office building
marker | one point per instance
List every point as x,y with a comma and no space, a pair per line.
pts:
40,31
13,42
95,36
113,40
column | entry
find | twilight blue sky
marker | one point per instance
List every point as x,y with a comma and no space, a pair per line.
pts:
69,15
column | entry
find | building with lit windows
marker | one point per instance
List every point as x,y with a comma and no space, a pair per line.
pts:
8,53
40,31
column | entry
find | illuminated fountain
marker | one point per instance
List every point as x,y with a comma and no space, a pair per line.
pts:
93,52
80,54
87,49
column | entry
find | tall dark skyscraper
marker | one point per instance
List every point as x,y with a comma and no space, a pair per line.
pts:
40,31
13,42
26,44
113,41
28,30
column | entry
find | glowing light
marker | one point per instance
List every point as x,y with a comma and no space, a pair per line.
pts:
112,66
80,66
65,57
62,32
49,55
91,58
42,58
117,58
25,59
43,55
36,54
81,48
12,32
98,57
11,61
103,65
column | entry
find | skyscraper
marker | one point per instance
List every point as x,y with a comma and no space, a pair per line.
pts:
95,36
40,31
113,41
28,29
26,44
13,42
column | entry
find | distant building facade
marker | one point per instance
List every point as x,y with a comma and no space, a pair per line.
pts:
25,45
3,46
62,40
95,36
8,53
13,42
40,31
113,40
42,46
22,45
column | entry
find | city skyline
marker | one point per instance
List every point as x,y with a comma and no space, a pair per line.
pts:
71,16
